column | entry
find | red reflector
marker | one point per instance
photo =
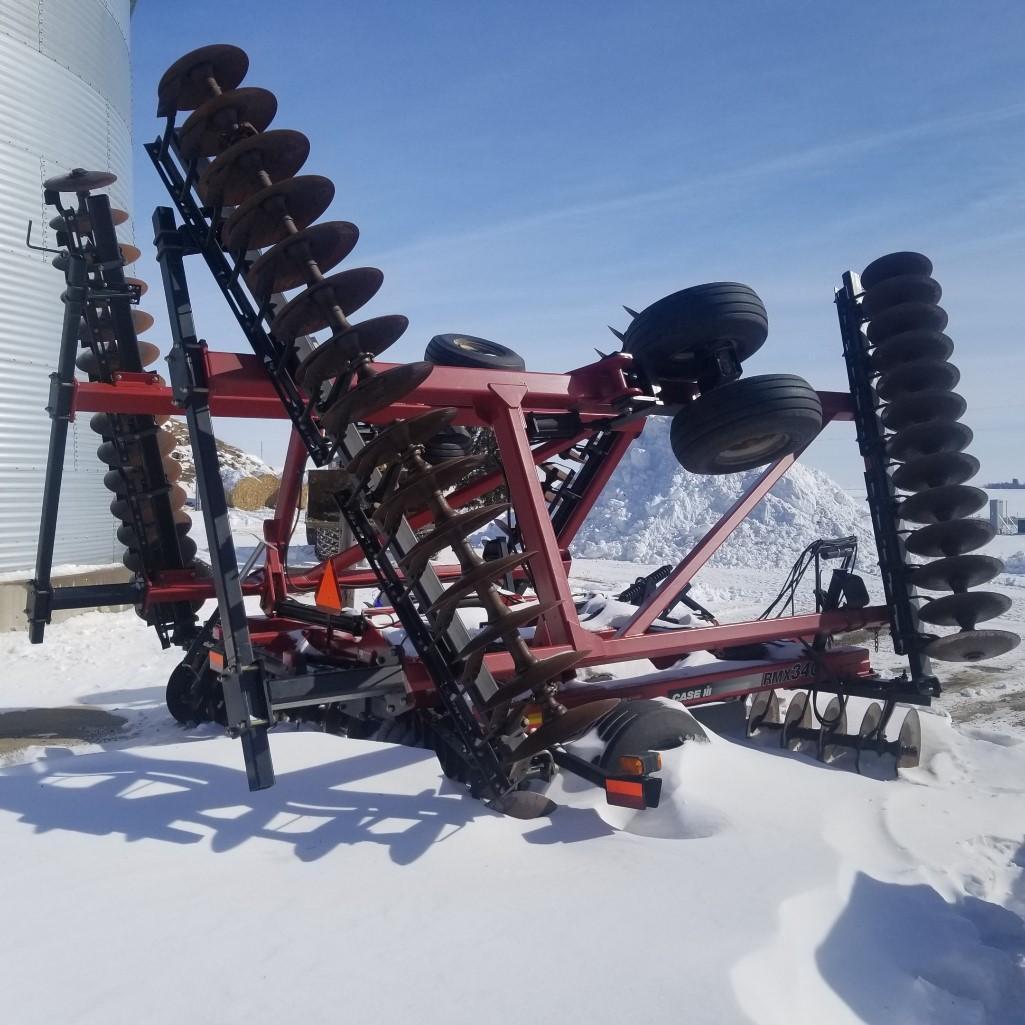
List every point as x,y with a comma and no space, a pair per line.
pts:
216,660
625,793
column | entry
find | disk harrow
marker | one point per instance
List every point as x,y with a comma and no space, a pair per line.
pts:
480,654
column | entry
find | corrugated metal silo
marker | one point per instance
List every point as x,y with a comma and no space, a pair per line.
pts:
65,89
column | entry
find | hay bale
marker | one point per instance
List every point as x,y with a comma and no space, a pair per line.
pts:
272,498
250,493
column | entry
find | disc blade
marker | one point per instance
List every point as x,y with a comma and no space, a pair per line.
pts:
238,172
416,492
834,721
373,394
82,222
904,288
935,471
539,673
571,724
87,361
937,505
129,253
347,290
260,220
972,645
893,265
964,610
910,741
208,128
921,407
956,573
910,346
333,357
523,804
922,375
906,317
481,576
185,84
798,715
955,537
444,534
927,438
508,623
393,441
80,180
286,265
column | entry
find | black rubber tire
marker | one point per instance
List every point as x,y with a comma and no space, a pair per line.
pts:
450,442
637,726
326,542
746,423
669,338
469,351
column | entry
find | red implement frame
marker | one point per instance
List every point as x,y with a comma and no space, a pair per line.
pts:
601,398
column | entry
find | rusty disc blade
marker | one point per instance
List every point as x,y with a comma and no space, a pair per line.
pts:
82,223
922,375
309,311
539,673
393,441
288,264
456,528
172,469
950,502
260,220
210,127
921,407
904,288
416,493
80,180
374,393
238,172
956,572
953,537
88,362
509,623
964,610
571,724
129,253
928,438
184,85
936,470
478,578
909,347
906,317
972,645
334,356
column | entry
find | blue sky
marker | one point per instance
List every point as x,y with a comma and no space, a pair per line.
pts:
520,170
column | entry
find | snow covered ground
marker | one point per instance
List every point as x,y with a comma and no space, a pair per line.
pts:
142,882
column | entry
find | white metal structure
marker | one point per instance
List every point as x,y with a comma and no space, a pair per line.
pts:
64,102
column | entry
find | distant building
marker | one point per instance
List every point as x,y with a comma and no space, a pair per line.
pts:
1006,485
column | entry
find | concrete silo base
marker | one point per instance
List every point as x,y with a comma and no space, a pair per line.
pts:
14,593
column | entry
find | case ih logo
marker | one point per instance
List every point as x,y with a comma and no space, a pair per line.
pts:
802,671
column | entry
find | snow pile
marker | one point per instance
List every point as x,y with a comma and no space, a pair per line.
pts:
1015,563
654,511
235,464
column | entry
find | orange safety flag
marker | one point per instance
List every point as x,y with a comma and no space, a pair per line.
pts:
328,596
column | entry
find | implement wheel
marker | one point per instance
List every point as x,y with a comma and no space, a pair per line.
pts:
673,339
746,423
469,351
